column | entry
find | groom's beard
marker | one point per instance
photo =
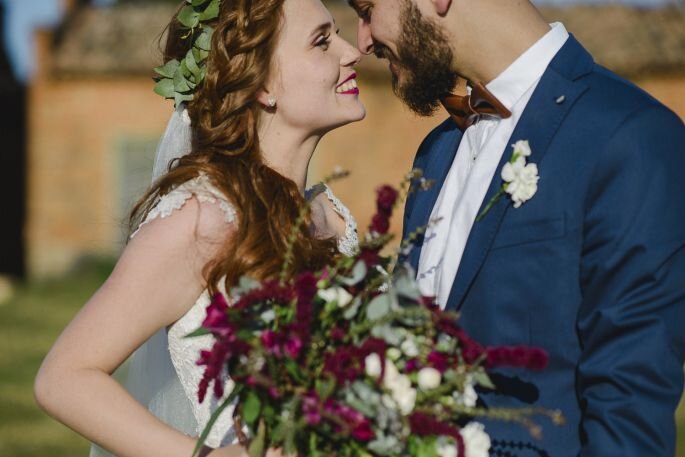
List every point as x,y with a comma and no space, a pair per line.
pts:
425,59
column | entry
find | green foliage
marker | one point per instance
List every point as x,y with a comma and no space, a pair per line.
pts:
178,80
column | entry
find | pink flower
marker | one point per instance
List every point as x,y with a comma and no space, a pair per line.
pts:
311,408
293,346
438,360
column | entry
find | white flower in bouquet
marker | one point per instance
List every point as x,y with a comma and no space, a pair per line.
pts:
409,347
476,441
469,397
400,388
372,365
445,447
429,378
336,294
393,354
522,180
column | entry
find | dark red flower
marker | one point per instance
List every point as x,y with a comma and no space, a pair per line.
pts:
343,364
438,360
337,334
386,196
370,257
426,425
214,362
293,346
530,358
380,224
412,365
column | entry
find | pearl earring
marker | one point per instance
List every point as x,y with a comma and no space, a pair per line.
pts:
271,101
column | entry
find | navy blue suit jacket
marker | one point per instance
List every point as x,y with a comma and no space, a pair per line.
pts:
592,268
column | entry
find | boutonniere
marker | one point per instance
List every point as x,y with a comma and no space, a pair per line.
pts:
520,178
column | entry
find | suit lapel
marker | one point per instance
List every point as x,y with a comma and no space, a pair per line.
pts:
540,121
436,169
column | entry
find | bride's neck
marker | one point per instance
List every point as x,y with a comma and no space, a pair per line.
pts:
288,151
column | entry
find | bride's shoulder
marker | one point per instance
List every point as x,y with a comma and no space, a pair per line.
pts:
196,198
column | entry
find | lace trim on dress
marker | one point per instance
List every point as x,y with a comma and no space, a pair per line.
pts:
348,244
201,188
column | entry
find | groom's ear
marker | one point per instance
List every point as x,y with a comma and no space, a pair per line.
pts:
442,6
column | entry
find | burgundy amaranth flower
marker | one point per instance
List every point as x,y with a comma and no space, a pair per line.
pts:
386,196
438,360
425,425
370,257
343,364
412,365
530,358
214,362
216,320
293,346
359,426
380,224
311,408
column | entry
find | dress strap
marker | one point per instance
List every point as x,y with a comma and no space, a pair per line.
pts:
348,244
199,187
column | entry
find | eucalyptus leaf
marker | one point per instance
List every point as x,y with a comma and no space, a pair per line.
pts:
358,273
188,17
180,82
180,98
352,310
165,88
191,64
211,12
204,40
251,408
379,307
481,378
168,69
408,288
391,335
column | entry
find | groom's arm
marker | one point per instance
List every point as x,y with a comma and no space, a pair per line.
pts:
631,323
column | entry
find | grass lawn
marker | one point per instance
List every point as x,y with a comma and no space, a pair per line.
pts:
29,324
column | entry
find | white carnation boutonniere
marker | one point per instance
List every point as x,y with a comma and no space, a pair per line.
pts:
520,178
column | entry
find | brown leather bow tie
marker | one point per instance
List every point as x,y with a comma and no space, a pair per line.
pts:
466,110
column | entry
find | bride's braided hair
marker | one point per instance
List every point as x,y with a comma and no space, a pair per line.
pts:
225,113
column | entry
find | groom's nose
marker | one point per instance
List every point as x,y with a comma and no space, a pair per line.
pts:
364,38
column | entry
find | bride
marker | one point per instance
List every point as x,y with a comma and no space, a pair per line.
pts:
278,77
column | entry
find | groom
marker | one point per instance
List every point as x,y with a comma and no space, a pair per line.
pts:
587,260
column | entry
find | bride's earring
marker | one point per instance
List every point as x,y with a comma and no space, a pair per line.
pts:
271,101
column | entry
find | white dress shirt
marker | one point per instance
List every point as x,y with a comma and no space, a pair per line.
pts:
475,165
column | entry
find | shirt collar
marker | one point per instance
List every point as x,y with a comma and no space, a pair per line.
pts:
528,68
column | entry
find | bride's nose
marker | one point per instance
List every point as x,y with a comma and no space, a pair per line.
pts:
350,56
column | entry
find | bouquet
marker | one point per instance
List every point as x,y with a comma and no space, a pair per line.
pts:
354,360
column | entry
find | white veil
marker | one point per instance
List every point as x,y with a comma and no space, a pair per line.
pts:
152,379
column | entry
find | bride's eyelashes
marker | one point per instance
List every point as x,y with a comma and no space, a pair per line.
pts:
324,41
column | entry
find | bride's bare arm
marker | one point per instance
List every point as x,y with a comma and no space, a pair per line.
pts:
156,280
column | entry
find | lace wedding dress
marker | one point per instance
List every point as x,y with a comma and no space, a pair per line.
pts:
163,375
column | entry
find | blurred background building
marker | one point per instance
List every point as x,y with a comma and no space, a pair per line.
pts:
79,138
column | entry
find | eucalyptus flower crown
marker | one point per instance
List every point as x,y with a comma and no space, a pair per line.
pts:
177,80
